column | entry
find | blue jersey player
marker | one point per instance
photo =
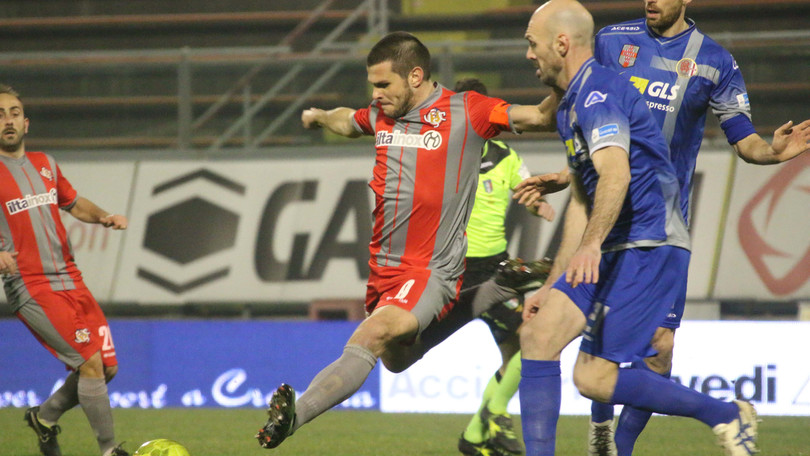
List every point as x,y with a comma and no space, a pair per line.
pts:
682,73
624,255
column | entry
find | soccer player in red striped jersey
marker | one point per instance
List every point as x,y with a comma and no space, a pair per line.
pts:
428,152
43,285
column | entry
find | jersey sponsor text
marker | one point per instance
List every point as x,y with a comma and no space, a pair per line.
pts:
30,201
430,140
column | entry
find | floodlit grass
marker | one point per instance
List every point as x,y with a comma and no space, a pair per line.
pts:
220,432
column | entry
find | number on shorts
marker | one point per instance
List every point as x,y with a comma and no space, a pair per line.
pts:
106,335
406,288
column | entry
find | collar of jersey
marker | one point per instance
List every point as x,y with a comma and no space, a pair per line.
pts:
576,78
413,114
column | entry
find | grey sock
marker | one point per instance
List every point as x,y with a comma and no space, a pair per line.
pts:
490,294
95,402
335,383
62,400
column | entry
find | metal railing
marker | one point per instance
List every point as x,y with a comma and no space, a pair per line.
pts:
329,57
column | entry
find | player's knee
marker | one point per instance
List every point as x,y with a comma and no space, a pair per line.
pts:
533,337
595,380
664,343
92,368
589,386
527,335
372,336
399,357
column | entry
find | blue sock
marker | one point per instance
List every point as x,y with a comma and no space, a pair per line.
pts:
632,420
540,392
601,412
645,390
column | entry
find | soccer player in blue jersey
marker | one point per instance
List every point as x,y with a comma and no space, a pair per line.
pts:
681,73
624,255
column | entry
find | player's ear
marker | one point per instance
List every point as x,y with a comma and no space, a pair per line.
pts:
562,44
416,77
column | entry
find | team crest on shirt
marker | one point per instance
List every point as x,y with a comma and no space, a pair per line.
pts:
46,173
82,336
627,57
686,67
435,117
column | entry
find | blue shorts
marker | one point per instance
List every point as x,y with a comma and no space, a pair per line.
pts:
675,314
636,291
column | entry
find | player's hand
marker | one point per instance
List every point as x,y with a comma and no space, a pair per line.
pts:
310,117
114,221
8,262
584,266
532,189
541,208
533,302
791,140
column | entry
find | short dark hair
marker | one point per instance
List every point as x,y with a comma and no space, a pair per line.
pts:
403,50
7,89
474,84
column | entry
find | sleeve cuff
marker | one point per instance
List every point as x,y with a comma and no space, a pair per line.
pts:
737,128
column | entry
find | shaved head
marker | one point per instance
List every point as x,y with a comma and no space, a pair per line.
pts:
560,36
568,17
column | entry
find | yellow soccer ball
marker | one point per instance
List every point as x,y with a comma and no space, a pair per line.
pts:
161,447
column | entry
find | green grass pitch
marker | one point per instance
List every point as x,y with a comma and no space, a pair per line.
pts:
222,432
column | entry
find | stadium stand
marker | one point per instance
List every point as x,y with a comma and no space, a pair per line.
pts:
146,74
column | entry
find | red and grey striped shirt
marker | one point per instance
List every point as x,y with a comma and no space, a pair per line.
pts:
32,189
425,177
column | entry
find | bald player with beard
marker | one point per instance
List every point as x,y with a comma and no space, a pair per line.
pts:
625,249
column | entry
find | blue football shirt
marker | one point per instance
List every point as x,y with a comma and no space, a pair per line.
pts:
601,109
680,77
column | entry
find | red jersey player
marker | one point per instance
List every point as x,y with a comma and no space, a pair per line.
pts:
43,285
428,143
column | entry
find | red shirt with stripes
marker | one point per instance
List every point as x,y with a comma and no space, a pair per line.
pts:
425,177
32,189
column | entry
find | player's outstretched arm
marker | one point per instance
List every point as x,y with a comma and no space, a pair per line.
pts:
789,141
338,120
87,211
541,117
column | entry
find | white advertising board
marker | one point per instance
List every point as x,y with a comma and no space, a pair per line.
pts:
757,361
766,247
297,228
98,249
274,230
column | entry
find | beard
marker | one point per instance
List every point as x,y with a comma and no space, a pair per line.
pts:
403,107
666,19
11,145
